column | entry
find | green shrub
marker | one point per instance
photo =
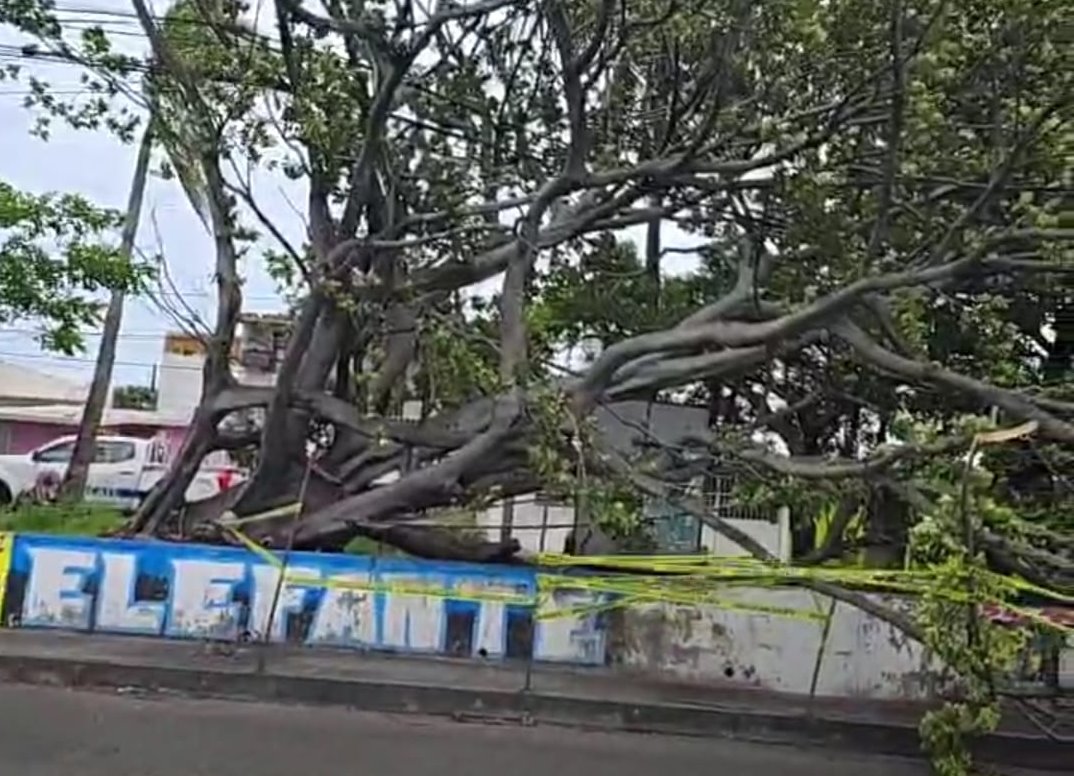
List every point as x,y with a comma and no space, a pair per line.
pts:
70,519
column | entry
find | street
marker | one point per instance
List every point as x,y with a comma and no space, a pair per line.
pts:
58,732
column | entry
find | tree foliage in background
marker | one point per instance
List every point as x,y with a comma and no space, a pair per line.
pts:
55,261
134,397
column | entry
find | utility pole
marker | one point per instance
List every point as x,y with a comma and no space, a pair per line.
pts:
74,484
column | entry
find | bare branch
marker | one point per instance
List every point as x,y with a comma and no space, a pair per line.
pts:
439,484
810,468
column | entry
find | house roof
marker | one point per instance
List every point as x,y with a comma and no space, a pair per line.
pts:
21,385
71,415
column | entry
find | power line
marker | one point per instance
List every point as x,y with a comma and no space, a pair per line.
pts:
146,335
78,361
412,25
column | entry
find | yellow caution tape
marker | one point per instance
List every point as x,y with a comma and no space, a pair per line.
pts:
673,579
752,572
229,518
7,544
398,588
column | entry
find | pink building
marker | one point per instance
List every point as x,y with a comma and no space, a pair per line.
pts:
23,429
36,408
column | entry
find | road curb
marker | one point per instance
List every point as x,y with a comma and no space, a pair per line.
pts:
489,705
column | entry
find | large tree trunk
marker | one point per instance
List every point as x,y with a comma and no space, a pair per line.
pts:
161,506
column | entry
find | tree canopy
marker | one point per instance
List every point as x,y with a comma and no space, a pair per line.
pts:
55,258
841,228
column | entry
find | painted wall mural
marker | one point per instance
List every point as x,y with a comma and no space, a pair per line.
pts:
758,637
189,591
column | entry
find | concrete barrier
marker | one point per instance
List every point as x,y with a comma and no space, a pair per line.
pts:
189,591
859,656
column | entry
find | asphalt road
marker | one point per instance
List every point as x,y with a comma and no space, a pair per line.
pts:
57,732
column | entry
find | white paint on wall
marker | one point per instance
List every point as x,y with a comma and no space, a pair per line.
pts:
346,616
291,598
569,638
202,599
206,596
116,608
773,536
412,622
490,624
179,383
539,526
55,595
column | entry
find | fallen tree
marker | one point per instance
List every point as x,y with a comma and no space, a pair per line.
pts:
848,175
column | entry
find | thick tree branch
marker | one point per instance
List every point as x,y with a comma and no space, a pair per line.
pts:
815,468
572,68
438,484
444,433
736,334
216,372
1017,404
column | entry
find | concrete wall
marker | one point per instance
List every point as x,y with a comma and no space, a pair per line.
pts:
179,382
543,526
863,657
537,524
188,591
774,536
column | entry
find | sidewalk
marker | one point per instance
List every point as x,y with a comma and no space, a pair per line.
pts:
487,691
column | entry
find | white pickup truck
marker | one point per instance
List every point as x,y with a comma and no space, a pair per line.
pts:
122,472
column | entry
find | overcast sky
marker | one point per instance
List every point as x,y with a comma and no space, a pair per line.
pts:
99,166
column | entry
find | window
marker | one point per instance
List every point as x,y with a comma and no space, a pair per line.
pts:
60,453
109,451
113,452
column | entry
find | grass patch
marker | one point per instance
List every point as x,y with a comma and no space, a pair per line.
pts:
63,519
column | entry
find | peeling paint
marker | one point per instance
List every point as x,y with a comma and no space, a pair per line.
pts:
732,646
223,594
